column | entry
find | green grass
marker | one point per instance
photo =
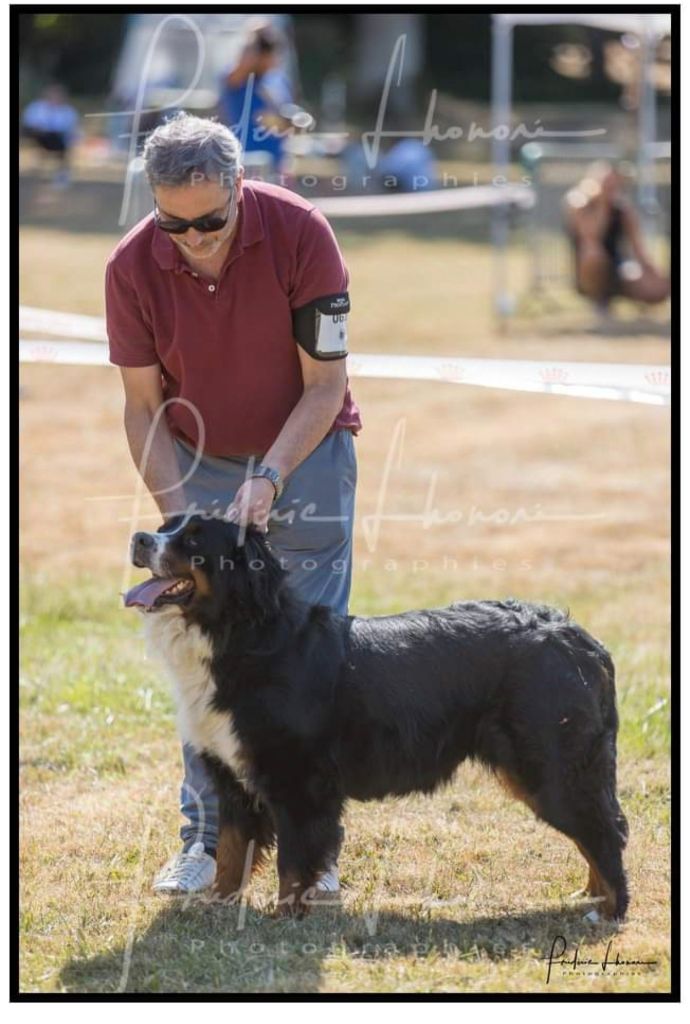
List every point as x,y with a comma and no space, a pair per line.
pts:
85,687
100,756
99,779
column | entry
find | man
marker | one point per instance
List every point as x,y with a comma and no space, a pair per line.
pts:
229,303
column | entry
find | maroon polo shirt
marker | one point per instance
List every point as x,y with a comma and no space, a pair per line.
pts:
227,346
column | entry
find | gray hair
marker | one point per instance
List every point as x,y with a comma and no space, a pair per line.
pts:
188,149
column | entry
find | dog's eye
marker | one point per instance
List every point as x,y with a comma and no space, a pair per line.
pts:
191,541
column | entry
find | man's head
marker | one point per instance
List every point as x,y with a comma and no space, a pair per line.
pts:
55,94
264,44
193,166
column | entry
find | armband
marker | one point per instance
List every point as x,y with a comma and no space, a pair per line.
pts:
320,327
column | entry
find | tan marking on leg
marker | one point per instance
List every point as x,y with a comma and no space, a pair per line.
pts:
597,886
516,789
236,860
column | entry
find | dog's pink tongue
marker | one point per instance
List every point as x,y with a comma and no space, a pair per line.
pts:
145,593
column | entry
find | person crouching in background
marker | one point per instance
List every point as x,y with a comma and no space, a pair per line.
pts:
610,253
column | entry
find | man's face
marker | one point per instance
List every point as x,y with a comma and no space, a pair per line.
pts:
200,199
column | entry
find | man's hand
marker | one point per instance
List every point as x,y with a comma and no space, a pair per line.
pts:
251,505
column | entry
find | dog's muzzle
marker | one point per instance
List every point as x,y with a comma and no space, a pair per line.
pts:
142,548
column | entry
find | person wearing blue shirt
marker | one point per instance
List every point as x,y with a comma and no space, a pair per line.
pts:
53,124
254,92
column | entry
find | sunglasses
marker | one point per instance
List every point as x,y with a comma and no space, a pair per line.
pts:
208,223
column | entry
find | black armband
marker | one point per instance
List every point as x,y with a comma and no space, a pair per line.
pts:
320,327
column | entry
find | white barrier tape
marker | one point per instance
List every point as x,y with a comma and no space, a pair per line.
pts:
610,379
66,325
66,353
471,197
627,382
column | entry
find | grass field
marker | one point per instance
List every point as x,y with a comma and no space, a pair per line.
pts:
541,497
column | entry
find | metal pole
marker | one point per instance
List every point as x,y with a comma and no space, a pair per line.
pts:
646,176
501,101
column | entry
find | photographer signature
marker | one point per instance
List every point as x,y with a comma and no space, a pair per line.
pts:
586,965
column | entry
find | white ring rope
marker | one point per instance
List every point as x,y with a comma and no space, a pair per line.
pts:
471,197
630,382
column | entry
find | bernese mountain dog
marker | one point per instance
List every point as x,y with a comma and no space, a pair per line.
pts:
295,709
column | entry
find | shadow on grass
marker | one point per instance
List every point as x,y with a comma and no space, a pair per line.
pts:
206,949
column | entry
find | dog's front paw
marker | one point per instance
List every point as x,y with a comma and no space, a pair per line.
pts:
291,908
227,895
294,899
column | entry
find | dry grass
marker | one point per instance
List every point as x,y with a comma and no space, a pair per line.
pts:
585,488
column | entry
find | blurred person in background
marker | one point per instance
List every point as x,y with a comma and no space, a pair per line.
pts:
408,166
610,253
53,124
255,95
221,303
396,162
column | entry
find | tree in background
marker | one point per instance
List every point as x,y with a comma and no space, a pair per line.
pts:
77,50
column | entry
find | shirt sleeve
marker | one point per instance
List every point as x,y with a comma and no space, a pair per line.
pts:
131,342
320,269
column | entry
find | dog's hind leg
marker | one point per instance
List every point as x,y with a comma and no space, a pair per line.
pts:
598,838
594,823
577,796
595,884
560,759
579,799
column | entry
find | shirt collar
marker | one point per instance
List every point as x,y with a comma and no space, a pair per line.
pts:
250,229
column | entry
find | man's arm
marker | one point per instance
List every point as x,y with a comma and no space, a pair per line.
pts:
245,66
306,426
313,416
159,468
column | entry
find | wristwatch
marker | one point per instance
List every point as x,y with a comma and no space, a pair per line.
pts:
270,474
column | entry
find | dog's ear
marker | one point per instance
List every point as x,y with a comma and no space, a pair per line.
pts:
262,575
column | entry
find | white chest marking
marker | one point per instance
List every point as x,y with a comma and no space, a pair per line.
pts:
186,653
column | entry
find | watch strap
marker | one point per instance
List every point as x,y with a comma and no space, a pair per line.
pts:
265,472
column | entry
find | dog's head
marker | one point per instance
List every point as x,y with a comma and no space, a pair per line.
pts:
206,568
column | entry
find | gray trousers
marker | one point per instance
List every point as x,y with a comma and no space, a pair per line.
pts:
310,529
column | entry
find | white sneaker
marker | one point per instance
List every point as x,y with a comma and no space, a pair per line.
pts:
190,871
328,885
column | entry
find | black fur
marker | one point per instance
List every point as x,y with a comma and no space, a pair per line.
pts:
329,707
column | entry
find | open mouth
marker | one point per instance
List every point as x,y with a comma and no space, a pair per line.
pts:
159,591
